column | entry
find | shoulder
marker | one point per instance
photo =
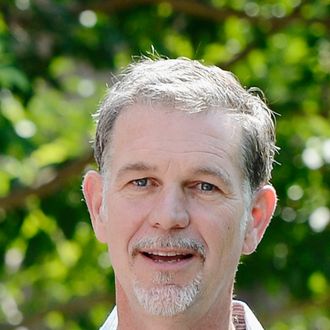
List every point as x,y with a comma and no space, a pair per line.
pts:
244,317
111,322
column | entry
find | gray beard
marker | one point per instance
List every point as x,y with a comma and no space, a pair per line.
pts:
165,299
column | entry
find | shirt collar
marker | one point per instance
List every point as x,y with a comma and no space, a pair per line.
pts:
243,317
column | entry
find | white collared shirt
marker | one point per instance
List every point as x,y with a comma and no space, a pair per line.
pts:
243,318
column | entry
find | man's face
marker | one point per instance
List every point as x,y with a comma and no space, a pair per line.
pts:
171,207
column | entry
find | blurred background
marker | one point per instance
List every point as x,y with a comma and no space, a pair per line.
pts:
56,58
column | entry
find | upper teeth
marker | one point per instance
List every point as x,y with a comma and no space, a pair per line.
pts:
166,254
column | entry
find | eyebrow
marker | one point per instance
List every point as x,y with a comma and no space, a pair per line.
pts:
135,167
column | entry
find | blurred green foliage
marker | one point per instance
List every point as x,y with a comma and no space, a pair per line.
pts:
55,59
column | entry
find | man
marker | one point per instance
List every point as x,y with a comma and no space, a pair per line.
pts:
185,157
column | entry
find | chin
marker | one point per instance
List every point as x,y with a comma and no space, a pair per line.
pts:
166,299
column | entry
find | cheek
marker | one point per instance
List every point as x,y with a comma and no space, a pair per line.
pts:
124,218
220,229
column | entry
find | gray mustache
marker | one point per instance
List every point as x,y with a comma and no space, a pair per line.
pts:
170,242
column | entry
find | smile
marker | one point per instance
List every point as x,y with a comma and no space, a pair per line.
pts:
167,257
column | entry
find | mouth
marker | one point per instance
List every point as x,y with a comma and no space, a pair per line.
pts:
168,253
167,256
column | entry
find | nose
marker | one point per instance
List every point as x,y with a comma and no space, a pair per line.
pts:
170,210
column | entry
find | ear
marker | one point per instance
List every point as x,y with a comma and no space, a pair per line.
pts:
263,206
93,193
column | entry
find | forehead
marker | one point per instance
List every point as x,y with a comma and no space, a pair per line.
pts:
153,129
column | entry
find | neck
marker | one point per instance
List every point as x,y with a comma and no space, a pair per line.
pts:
131,316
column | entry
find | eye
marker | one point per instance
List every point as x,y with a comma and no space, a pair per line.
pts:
207,187
144,182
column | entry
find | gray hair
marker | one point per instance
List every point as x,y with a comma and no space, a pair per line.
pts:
188,85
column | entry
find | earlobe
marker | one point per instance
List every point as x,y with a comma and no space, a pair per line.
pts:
263,206
93,193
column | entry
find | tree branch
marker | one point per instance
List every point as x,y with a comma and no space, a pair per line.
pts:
18,198
203,11
193,8
215,14
275,25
